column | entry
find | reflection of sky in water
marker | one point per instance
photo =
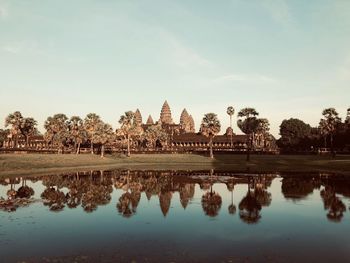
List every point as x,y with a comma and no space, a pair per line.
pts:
285,226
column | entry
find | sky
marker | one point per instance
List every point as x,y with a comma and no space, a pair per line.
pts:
284,58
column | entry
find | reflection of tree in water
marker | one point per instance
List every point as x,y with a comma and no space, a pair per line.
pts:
128,201
53,198
211,203
124,205
230,187
249,208
298,188
333,204
16,199
262,196
12,193
98,193
25,191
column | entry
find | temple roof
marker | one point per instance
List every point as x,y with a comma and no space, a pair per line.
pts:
150,120
138,117
165,114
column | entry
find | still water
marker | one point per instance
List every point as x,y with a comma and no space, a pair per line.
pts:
175,216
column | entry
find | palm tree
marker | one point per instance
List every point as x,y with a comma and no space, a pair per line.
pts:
210,127
230,111
91,123
28,128
103,135
248,125
324,130
77,132
129,127
15,120
331,122
56,130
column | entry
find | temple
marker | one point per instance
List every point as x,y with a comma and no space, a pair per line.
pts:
180,137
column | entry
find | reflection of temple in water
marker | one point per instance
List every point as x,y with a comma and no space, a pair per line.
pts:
89,190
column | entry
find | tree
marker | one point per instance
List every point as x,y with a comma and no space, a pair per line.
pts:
3,136
57,130
230,111
129,127
77,132
323,128
28,128
293,131
91,123
155,133
331,122
248,125
104,134
347,119
15,121
210,127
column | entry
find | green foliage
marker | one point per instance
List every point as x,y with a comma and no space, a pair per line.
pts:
230,111
56,130
3,136
20,125
76,130
248,122
154,133
292,131
210,125
104,134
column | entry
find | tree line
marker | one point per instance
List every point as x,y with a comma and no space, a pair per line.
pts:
331,133
72,132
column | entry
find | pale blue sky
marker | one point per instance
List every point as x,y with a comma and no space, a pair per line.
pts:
285,58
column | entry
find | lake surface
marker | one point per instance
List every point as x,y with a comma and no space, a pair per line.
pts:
175,216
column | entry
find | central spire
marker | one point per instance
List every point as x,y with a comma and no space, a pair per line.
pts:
165,114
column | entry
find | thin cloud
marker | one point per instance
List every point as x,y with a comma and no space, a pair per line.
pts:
246,78
3,12
182,55
279,11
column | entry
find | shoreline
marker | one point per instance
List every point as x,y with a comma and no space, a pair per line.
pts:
39,164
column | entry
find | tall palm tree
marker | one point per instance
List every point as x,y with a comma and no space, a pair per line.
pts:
331,122
248,123
28,128
77,132
230,111
91,123
57,130
103,135
14,120
323,127
129,127
210,127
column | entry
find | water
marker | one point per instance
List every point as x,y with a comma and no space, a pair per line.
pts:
175,216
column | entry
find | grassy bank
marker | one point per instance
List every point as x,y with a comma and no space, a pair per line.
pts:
31,164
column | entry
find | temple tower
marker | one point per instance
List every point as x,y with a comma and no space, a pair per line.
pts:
138,117
165,114
192,126
150,120
185,121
